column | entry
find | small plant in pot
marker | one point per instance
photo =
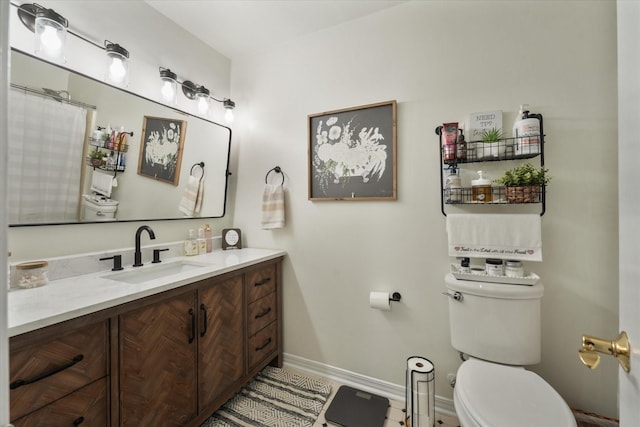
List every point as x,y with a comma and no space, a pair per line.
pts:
524,183
491,143
96,157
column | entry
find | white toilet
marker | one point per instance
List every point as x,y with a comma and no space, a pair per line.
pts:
498,327
99,206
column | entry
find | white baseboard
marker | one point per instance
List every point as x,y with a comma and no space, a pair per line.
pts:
373,385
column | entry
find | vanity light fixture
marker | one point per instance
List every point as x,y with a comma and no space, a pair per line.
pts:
229,105
51,30
202,97
49,27
117,69
169,88
195,92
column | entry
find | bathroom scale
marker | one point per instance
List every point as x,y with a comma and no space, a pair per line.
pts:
356,408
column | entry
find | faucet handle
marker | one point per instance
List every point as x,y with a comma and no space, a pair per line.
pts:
117,262
156,255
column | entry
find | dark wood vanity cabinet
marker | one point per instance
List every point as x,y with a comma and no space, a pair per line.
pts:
184,353
170,359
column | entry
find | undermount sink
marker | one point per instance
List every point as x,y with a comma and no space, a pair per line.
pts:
154,271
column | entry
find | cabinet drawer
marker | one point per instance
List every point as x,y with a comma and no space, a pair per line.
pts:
260,282
261,313
86,407
263,344
54,367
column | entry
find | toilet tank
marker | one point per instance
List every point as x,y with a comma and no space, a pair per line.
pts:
495,322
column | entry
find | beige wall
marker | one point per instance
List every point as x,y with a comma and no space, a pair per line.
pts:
440,61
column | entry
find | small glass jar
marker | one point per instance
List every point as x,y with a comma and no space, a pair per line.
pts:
32,274
464,266
494,267
513,268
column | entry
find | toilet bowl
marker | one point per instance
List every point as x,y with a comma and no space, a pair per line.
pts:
498,327
491,395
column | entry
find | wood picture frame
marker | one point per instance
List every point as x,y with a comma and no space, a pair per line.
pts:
352,153
161,148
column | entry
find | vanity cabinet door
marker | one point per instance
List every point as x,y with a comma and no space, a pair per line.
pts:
221,345
157,363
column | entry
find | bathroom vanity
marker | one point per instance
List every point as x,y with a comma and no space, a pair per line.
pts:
96,351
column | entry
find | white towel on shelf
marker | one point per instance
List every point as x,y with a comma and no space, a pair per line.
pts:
189,199
273,206
505,236
101,183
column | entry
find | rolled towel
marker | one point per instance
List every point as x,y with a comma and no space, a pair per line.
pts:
273,206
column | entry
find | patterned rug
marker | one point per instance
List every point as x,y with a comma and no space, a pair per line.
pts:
274,398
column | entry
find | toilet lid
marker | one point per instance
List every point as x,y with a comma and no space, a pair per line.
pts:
506,396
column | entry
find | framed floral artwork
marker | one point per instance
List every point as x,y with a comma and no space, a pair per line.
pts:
352,153
161,148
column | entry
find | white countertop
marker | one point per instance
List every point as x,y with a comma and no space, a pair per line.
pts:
71,297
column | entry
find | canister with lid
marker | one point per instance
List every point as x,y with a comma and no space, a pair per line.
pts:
32,274
481,189
494,267
513,268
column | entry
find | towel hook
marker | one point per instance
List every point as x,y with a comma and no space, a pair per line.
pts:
276,169
201,164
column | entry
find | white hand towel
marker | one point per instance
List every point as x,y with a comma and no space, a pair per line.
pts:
190,196
273,206
102,183
503,236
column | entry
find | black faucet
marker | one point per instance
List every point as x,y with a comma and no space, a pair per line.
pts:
138,255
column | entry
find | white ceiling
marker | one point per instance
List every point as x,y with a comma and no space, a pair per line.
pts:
237,27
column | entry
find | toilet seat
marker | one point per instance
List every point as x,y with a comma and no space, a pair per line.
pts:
491,395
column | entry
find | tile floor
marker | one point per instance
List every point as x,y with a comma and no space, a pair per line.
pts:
395,414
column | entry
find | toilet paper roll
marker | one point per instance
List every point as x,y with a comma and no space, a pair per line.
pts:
380,300
420,392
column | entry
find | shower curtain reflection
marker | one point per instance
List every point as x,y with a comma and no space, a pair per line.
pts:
45,149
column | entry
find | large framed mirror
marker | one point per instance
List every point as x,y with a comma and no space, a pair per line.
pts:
57,123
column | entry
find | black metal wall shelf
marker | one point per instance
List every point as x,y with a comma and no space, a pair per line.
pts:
504,149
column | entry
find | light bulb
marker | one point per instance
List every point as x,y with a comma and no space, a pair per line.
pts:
203,104
228,116
117,72
167,91
50,40
117,64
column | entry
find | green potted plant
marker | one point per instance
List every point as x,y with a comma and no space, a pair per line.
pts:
96,157
524,183
491,143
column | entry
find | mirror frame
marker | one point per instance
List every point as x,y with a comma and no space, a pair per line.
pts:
227,171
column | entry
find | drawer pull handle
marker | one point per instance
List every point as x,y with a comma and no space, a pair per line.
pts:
262,282
264,345
264,313
193,325
78,421
19,383
203,309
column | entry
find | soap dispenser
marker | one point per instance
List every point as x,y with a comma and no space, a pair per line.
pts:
191,244
481,189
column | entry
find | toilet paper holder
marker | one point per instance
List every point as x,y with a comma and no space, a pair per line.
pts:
395,297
